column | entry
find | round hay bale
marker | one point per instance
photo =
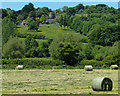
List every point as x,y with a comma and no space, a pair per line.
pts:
54,67
19,67
88,67
102,84
114,67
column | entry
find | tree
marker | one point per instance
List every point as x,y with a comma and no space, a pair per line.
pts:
63,21
4,13
27,9
105,34
30,42
52,15
32,15
20,18
43,19
8,29
33,25
70,11
68,53
65,47
64,9
14,48
39,12
12,17
31,46
88,51
78,7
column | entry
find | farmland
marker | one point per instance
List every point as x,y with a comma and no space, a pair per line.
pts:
57,81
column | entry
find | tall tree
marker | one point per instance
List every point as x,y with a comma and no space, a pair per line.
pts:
8,29
27,9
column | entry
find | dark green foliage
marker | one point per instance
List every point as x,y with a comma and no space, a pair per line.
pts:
4,13
88,51
30,47
32,15
14,48
19,19
105,35
32,63
35,36
30,43
78,7
100,52
33,25
31,53
70,11
65,47
27,9
52,15
12,17
8,29
67,53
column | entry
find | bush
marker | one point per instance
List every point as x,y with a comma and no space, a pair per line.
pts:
96,64
35,36
111,60
14,48
38,63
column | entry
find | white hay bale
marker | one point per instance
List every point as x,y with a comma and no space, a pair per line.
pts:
114,67
54,67
88,67
19,67
102,84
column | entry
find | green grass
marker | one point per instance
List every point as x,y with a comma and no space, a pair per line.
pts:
50,33
57,81
40,41
24,29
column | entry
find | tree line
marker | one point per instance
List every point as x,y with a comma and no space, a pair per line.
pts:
97,24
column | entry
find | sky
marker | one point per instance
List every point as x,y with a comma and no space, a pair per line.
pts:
53,5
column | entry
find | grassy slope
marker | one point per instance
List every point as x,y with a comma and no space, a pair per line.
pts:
50,33
55,81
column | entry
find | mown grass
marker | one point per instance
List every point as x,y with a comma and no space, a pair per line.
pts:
57,81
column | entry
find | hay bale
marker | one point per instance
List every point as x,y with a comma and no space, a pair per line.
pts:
88,67
19,67
102,84
54,67
114,67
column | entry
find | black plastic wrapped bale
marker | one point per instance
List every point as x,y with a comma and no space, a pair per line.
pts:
19,67
114,67
102,84
88,67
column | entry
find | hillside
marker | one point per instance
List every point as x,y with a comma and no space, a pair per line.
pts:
77,35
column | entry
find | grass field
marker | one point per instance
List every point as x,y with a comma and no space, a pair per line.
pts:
62,81
50,32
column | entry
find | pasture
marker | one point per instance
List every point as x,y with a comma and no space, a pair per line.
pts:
49,31
57,81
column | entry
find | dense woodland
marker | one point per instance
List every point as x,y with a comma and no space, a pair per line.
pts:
95,40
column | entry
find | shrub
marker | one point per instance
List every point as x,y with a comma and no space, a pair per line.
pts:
39,63
96,64
14,48
35,36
